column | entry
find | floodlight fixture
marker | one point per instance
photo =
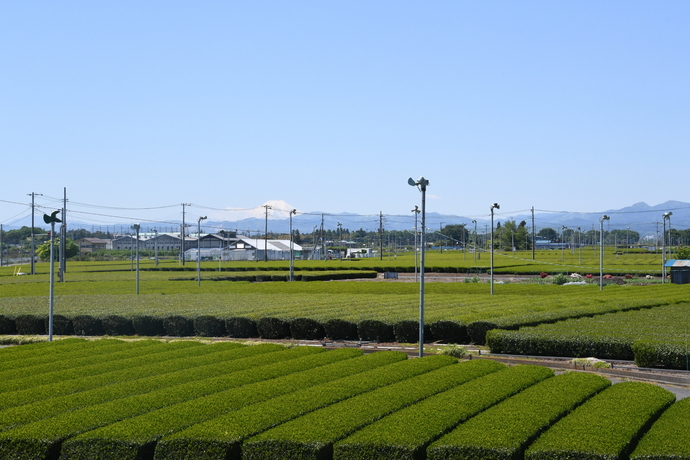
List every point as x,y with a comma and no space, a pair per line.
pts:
421,184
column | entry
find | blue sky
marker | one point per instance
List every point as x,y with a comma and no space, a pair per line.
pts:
331,106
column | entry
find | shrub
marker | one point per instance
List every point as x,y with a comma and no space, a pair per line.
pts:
456,351
449,332
560,279
62,325
273,328
146,325
178,326
339,329
408,332
306,329
376,331
117,325
209,326
654,353
668,437
87,325
30,325
241,327
7,325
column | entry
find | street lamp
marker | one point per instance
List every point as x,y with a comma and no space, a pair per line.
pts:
198,251
136,228
476,248
421,184
493,206
292,248
601,250
666,217
563,228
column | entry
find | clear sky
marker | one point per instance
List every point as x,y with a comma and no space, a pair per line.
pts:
332,106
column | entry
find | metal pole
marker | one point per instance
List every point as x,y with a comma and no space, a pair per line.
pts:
416,257
423,184
493,206
476,248
51,300
601,251
292,250
198,251
136,228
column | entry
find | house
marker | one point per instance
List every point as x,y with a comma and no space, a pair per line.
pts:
88,245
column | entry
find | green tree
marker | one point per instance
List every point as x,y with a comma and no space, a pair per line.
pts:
548,234
43,251
457,233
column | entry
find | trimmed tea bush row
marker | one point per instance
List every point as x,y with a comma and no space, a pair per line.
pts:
604,427
406,434
176,358
45,352
125,439
221,437
669,437
66,368
324,276
312,436
41,438
505,430
228,361
656,337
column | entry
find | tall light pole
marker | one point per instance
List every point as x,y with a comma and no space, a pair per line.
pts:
579,243
266,233
155,246
440,232
666,216
136,228
493,206
416,263
340,238
33,244
198,251
476,248
601,250
292,248
421,184
51,219
563,227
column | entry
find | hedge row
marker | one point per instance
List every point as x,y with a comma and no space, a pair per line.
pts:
125,439
42,438
221,437
527,343
178,356
605,427
326,276
406,434
652,353
266,327
669,437
78,367
504,431
312,436
230,360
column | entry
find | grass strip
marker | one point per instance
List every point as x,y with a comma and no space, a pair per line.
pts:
605,427
406,434
225,362
71,367
312,436
221,437
669,437
135,438
503,431
177,357
44,438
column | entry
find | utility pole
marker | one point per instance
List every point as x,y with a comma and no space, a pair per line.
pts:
182,233
266,232
33,246
1,232
322,234
440,232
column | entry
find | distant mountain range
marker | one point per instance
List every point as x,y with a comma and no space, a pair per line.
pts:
640,217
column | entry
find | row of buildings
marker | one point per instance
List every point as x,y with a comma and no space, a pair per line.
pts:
213,246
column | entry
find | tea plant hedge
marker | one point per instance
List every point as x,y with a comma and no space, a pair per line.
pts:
312,436
669,437
505,430
406,434
606,426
